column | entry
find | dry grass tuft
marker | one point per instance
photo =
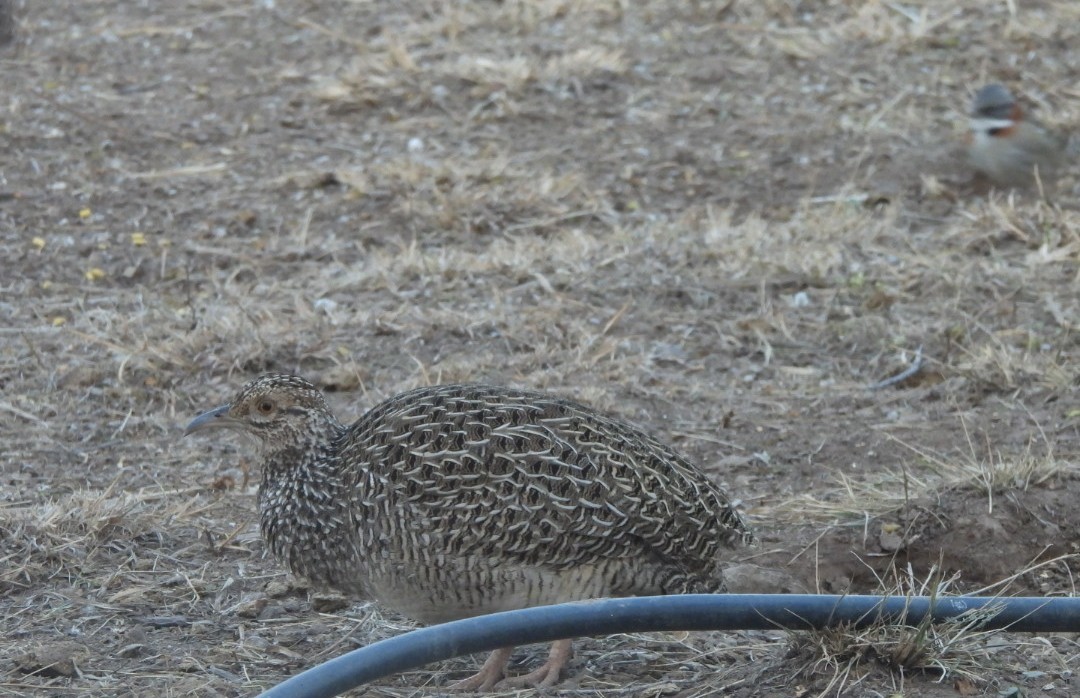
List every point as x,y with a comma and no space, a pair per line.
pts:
60,538
842,658
997,473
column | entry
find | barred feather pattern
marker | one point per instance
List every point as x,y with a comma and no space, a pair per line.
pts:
456,500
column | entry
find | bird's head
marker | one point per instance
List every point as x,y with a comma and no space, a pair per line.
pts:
994,111
278,410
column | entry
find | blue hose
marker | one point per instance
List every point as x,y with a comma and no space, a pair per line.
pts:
659,613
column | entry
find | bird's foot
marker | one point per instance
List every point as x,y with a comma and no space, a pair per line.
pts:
548,674
545,676
490,673
493,671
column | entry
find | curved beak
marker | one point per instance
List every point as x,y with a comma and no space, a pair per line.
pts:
217,417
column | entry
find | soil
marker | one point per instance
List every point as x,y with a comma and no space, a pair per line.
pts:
723,221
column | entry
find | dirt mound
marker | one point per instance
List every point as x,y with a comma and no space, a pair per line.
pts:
982,539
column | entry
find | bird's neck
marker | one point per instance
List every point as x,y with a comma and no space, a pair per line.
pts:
304,505
993,127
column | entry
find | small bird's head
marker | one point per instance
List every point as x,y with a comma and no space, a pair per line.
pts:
278,410
1009,148
994,111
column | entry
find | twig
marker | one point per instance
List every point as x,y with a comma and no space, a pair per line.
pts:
544,222
915,367
8,407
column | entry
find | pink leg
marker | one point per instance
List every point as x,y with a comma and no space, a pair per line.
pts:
489,675
548,674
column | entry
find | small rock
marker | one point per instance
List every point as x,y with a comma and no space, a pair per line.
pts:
326,305
317,629
277,588
52,660
251,607
328,603
256,642
271,611
890,541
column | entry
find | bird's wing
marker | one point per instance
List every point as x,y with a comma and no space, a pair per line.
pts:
553,488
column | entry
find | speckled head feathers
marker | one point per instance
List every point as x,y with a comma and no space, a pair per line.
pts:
274,408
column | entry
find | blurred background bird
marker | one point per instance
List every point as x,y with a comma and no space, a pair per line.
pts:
1008,147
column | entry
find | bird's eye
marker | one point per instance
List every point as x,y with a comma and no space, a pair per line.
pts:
266,407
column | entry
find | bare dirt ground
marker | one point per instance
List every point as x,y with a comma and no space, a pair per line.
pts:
720,220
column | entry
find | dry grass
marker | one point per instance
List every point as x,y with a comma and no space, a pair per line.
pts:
983,468
721,220
956,650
